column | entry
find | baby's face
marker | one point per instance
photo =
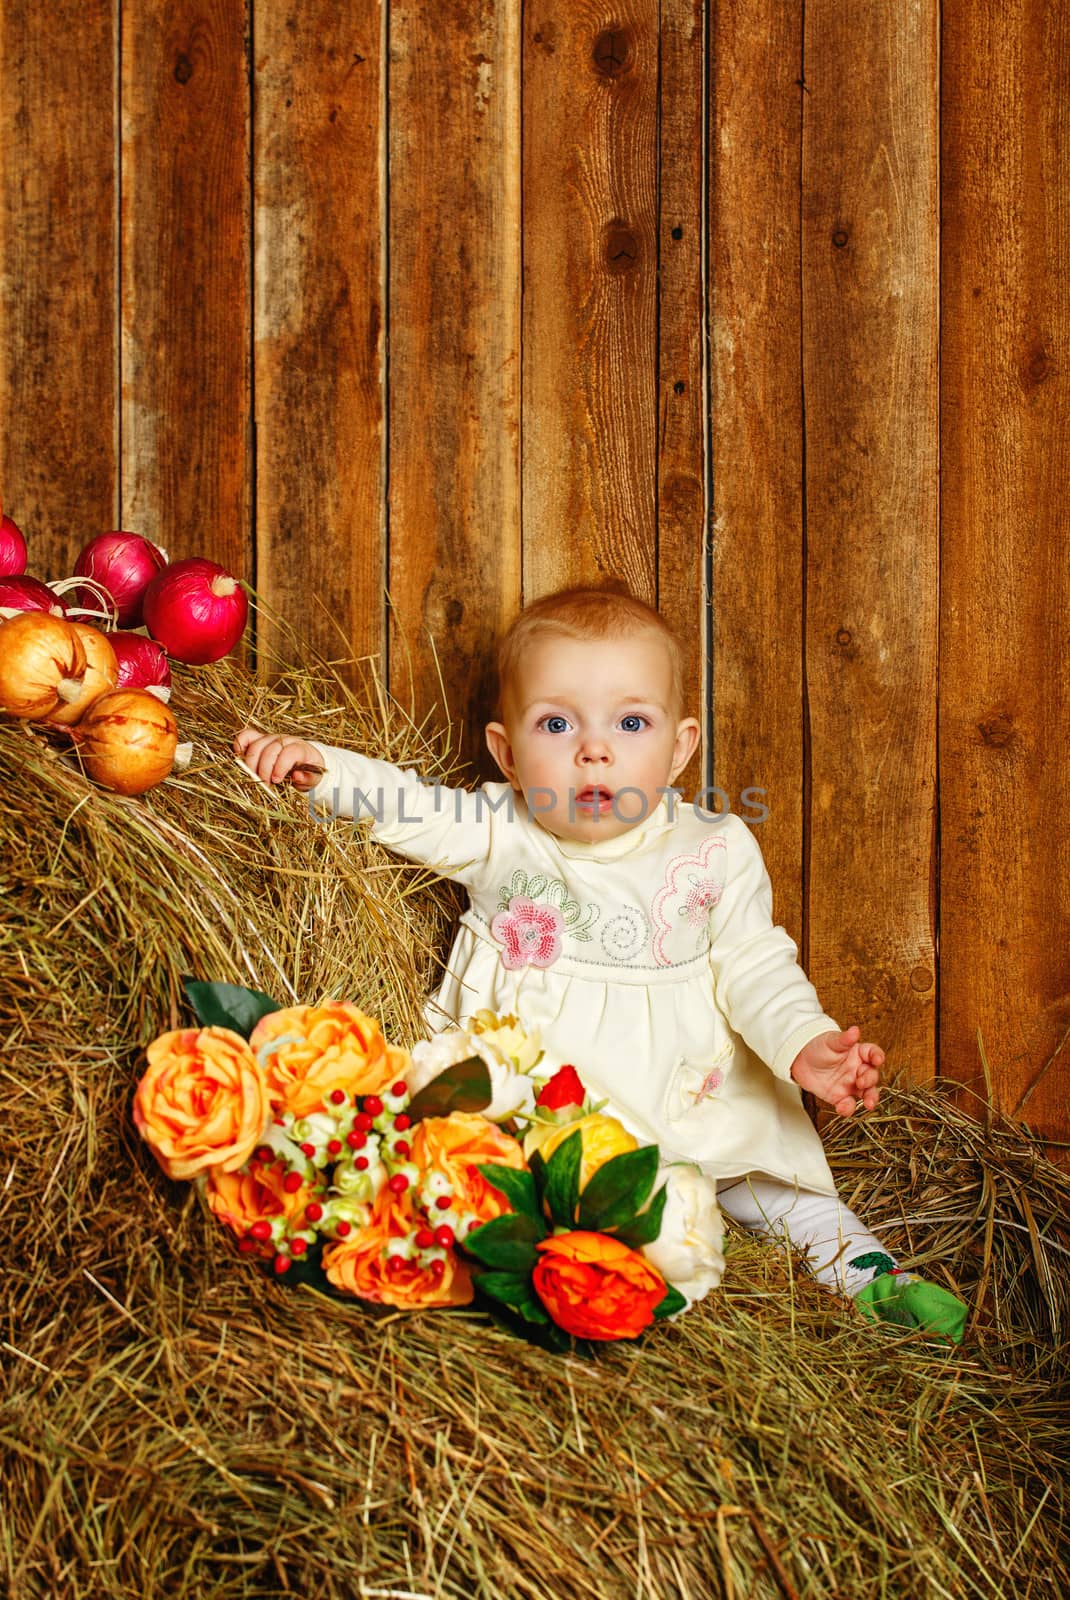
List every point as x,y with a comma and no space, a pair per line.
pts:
591,733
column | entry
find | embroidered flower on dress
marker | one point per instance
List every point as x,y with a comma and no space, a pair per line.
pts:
704,893
695,883
538,886
709,1085
530,934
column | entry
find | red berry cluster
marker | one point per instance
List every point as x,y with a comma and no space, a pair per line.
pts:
342,1154
345,1155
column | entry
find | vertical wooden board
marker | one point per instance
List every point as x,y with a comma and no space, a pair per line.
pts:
1005,474
870,340
319,219
185,278
681,487
756,131
590,293
58,334
454,382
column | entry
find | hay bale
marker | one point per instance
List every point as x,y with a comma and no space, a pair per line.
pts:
175,1424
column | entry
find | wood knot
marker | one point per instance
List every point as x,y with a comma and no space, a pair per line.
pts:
997,729
183,68
454,613
840,238
681,498
613,53
620,247
921,980
1036,368
843,637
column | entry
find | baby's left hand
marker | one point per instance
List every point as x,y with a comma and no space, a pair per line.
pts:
840,1071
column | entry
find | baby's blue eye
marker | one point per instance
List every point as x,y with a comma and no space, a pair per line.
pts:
632,724
556,724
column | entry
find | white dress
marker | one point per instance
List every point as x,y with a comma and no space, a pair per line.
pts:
650,961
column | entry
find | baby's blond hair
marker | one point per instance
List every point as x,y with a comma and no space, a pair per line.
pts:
587,613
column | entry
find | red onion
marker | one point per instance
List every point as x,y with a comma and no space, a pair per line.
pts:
143,664
21,593
12,548
196,610
123,564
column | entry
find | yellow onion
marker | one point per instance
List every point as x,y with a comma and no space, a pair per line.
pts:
101,674
42,664
127,740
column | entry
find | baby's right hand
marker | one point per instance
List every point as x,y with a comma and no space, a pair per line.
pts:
273,758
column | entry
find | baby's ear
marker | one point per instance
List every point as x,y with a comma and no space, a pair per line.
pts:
688,734
502,751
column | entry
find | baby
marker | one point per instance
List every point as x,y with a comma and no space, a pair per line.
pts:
632,929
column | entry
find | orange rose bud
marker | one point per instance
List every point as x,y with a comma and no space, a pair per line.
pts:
322,1052
457,1146
247,1202
203,1101
358,1265
595,1287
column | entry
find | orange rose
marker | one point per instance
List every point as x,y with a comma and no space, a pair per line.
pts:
358,1265
322,1049
456,1146
256,1194
595,1287
203,1101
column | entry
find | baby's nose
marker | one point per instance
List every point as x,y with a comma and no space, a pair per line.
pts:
595,749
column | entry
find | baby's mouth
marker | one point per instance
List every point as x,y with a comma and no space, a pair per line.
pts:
594,799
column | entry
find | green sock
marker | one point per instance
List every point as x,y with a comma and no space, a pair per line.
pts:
911,1302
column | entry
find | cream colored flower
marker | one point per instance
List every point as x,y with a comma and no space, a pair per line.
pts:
687,1251
511,1041
512,1092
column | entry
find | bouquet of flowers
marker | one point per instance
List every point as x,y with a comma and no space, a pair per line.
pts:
435,1178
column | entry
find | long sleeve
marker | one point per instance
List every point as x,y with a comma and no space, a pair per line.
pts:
759,984
449,830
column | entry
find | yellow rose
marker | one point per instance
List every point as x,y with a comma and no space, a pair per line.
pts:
319,1051
603,1138
202,1102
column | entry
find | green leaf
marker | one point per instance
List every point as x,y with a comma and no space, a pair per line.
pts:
537,1168
513,1289
464,1087
619,1189
644,1228
517,1187
228,1005
673,1302
508,1243
563,1180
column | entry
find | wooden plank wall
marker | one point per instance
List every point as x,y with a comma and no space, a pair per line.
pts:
869,259
1005,472
759,307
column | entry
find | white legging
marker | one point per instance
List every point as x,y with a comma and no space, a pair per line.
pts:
819,1225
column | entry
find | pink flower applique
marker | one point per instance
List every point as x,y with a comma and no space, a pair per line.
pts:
693,885
709,1085
529,933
